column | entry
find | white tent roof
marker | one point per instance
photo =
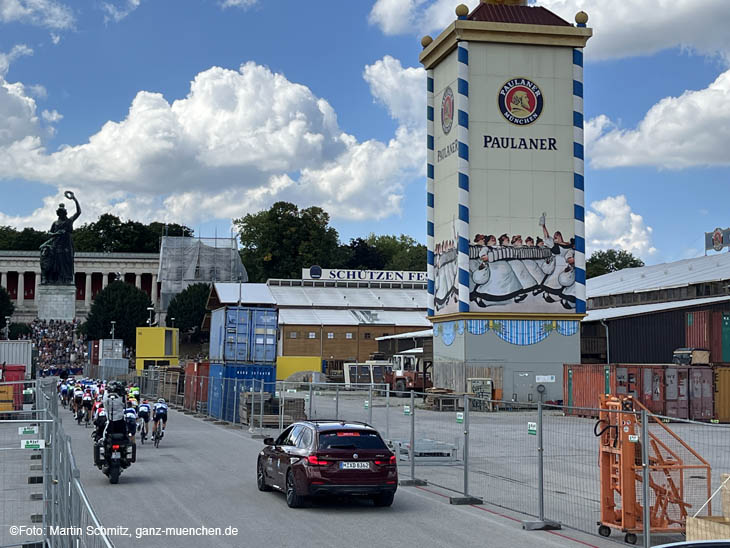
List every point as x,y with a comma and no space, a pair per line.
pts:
304,316
666,275
411,335
250,293
624,311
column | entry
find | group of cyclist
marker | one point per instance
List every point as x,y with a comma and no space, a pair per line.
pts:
86,399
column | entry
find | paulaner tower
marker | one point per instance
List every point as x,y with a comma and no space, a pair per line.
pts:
505,207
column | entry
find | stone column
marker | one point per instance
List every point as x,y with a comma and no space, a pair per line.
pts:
87,289
4,279
21,289
154,290
104,279
138,281
36,283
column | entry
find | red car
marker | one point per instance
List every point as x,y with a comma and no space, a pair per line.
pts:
328,458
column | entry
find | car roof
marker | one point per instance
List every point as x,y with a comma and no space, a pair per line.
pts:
325,425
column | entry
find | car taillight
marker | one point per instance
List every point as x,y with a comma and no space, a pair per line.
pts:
314,460
115,447
391,460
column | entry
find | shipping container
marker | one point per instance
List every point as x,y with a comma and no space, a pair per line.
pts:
697,329
228,381
722,394
11,395
701,393
17,353
243,335
676,391
196,386
720,337
584,383
652,388
111,348
263,335
94,352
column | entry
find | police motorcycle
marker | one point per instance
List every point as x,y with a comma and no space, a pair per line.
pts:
114,451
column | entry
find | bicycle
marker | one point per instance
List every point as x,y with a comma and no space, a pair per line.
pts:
157,434
143,431
80,415
87,416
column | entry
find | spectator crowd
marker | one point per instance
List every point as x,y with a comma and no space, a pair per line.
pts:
59,345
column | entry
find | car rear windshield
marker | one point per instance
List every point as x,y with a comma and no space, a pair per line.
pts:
350,439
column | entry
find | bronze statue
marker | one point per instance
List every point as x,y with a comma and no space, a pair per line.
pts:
57,253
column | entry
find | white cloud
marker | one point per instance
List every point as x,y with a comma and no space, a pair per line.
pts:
621,28
51,116
409,16
401,90
44,13
238,3
629,29
237,142
18,119
55,38
38,91
118,11
18,50
677,132
611,224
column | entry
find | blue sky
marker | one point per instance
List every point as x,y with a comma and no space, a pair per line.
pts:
203,110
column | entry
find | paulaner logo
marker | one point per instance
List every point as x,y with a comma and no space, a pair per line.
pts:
447,110
520,101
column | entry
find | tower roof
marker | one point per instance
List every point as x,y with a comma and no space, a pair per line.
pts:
528,15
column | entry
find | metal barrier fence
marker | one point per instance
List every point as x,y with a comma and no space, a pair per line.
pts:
540,460
43,501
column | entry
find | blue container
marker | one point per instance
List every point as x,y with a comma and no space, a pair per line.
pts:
242,335
228,381
264,323
215,391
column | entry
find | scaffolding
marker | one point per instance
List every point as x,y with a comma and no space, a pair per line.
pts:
186,261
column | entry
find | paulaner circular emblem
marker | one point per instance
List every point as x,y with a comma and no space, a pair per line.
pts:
447,110
520,101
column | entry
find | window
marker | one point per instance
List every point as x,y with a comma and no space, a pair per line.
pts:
292,334
366,335
330,335
350,439
348,335
305,440
312,335
291,439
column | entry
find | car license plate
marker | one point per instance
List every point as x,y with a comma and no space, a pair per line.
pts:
355,465
115,455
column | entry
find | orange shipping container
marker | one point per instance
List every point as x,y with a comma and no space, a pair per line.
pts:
584,383
697,329
196,384
722,394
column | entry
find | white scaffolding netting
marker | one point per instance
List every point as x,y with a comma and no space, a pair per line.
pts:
186,261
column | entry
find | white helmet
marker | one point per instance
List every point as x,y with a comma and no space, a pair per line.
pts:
161,400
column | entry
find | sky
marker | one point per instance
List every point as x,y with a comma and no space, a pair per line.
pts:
201,111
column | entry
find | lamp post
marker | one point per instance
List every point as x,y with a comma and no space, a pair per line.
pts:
7,327
113,326
172,322
151,310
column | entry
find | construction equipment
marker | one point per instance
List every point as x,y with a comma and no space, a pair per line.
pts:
409,372
679,478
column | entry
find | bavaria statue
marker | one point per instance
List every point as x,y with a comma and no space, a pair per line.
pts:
57,253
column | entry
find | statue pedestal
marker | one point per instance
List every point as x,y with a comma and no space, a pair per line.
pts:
56,302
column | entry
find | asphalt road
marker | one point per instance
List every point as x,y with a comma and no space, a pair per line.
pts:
203,475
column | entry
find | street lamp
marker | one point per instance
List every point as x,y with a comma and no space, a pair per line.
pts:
172,322
113,326
151,310
7,327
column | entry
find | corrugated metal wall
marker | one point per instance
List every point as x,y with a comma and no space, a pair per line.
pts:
647,339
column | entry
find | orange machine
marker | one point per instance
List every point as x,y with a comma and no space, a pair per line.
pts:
679,478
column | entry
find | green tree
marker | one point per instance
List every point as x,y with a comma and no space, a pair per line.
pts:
19,329
6,307
122,303
111,234
279,242
188,308
610,260
362,255
400,252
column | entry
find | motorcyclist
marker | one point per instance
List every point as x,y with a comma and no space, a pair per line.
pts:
114,404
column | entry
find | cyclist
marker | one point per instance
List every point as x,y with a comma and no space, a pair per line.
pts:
63,390
134,391
159,413
87,401
78,398
143,412
130,417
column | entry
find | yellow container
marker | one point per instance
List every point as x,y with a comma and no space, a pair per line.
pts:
288,365
157,346
722,394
